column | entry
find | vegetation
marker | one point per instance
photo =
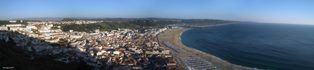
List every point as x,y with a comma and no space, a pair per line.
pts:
92,27
134,23
106,26
4,22
7,22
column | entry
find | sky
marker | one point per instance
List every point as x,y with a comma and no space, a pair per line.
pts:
272,11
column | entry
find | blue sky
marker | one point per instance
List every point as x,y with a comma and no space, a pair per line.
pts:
278,11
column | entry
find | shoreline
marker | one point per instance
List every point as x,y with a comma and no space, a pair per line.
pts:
173,36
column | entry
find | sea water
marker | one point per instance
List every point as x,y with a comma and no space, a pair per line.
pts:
258,45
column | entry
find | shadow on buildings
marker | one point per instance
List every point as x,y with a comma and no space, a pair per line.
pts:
15,58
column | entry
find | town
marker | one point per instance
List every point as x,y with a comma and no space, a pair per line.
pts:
127,49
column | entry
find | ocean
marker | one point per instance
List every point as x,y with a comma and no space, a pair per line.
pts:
258,45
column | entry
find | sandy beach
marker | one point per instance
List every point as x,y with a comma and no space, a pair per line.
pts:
173,37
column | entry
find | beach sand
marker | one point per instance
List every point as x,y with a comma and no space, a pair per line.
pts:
173,37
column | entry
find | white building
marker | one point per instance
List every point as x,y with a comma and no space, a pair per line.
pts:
3,28
12,21
14,25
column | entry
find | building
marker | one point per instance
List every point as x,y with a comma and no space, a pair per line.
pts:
14,25
12,21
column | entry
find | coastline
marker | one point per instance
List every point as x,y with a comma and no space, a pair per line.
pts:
173,37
